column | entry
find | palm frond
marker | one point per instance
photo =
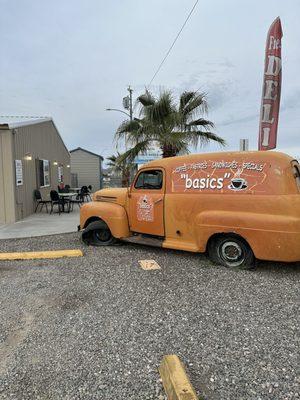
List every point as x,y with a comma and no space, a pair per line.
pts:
128,126
203,137
146,99
201,122
132,153
161,109
197,104
185,98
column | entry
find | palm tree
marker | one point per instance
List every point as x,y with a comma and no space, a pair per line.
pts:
172,127
122,166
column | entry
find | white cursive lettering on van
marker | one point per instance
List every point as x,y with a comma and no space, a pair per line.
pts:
205,183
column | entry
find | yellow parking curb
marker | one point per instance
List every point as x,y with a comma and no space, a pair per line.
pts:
175,380
41,254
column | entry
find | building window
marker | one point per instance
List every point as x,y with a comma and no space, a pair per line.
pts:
44,173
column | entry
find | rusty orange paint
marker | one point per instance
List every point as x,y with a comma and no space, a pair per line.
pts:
253,194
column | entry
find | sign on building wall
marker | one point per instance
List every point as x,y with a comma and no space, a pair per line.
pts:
60,170
19,172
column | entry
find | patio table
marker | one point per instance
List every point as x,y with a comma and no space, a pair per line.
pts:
75,189
64,196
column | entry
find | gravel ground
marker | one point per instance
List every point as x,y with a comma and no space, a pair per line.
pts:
97,327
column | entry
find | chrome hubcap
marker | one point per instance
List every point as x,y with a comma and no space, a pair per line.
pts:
232,253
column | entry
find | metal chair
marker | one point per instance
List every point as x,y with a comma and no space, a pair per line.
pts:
56,200
77,201
39,201
85,194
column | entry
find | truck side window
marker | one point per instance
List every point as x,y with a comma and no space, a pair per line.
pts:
296,172
151,179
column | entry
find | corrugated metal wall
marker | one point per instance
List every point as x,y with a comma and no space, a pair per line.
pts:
40,141
7,179
87,167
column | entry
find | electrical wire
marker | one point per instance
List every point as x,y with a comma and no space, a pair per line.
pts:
174,41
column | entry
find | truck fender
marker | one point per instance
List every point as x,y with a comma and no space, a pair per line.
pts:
113,215
244,224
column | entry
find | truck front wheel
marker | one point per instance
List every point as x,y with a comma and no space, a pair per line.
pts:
231,251
97,233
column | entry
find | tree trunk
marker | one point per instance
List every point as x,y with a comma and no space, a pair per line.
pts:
125,178
169,151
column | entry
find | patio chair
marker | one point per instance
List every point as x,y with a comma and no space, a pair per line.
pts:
56,201
78,201
85,194
39,201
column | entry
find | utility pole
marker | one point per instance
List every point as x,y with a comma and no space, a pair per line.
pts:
130,112
130,101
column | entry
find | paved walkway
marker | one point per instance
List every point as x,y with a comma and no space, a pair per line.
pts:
41,224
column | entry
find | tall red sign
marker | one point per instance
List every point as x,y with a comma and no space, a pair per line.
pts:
269,114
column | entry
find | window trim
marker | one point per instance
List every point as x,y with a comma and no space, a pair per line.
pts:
145,170
48,174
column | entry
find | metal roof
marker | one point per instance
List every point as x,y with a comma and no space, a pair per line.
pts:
27,122
86,151
19,122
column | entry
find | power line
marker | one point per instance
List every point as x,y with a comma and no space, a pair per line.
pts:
174,41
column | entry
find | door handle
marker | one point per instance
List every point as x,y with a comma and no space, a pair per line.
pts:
158,200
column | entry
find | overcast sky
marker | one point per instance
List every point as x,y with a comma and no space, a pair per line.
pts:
72,59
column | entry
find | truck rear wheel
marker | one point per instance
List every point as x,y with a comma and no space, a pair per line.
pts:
231,251
97,233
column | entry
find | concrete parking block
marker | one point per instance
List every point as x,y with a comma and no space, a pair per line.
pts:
40,254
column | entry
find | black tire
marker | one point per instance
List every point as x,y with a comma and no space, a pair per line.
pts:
231,251
98,234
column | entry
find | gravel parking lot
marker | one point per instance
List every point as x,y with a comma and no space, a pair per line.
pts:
97,327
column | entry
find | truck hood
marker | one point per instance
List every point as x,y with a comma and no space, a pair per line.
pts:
111,195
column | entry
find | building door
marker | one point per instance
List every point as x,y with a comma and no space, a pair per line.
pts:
146,202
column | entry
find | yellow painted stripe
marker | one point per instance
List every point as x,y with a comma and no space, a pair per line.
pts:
41,254
175,380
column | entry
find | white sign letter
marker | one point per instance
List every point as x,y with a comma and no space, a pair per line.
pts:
266,136
274,66
266,114
270,90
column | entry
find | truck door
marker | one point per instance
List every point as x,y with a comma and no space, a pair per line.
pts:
146,202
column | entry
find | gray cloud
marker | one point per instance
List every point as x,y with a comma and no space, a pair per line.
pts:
72,60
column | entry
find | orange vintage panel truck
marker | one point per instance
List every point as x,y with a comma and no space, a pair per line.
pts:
236,206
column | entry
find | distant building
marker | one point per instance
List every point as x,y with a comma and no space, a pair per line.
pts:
32,156
153,153
111,178
86,168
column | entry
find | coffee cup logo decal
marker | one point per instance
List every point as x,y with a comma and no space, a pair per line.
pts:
237,182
